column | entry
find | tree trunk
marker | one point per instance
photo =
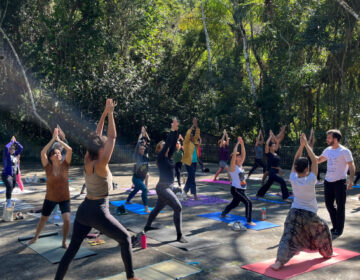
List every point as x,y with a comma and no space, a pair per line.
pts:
348,9
252,84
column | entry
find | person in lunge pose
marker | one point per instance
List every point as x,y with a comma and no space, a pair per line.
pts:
11,167
165,187
223,154
190,157
339,161
141,168
259,154
238,188
303,229
57,184
275,170
94,210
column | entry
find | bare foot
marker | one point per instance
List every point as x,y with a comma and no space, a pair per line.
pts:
32,241
276,266
251,224
64,245
147,209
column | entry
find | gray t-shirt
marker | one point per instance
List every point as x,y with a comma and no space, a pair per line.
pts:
259,152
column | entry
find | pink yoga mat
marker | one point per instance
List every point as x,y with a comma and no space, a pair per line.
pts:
215,182
299,264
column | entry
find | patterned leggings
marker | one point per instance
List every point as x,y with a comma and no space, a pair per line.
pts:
304,230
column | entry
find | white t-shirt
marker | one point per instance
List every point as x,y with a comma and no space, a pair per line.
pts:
238,178
337,160
304,192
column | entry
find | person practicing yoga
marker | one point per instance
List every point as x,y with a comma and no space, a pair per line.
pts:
145,139
303,229
279,138
190,157
11,167
94,212
223,144
177,157
275,171
311,143
238,187
57,185
141,168
339,161
165,187
259,154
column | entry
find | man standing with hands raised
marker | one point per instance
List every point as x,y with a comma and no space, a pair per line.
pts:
339,161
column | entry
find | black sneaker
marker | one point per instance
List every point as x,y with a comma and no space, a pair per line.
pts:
135,240
121,210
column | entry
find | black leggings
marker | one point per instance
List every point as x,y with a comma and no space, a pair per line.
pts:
239,196
166,196
96,214
258,162
178,166
9,182
274,177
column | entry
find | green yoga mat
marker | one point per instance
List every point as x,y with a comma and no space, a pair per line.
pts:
49,247
276,187
167,270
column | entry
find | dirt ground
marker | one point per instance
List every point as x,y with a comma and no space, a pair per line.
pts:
220,262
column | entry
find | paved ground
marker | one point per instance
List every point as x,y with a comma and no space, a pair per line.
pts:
220,262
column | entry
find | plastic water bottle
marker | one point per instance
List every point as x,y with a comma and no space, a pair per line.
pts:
263,213
143,241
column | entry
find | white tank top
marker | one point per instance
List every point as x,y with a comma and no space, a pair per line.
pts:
238,178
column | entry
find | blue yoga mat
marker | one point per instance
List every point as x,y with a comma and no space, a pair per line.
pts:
230,218
356,187
276,195
268,200
134,207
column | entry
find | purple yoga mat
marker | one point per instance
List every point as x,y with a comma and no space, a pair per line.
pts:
204,200
215,182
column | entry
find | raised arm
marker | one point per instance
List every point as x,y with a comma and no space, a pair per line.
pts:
267,147
19,148
227,139
111,136
281,135
100,126
233,158
298,154
243,151
43,154
171,140
314,164
311,141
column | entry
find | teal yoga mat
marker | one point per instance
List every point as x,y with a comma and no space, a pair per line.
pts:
167,270
49,247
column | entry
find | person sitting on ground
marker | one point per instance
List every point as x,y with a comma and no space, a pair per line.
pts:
303,229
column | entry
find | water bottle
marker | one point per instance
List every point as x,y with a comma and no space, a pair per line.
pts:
143,241
263,213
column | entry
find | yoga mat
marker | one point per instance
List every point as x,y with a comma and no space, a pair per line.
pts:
204,200
19,205
150,192
356,186
230,218
167,270
275,187
215,182
54,219
133,207
268,200
278,195
167,235
299,264
50,248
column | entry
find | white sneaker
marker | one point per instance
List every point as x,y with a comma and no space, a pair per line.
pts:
238,226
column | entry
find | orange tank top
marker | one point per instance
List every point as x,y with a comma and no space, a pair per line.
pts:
57,187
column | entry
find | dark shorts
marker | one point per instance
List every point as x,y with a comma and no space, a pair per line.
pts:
49,206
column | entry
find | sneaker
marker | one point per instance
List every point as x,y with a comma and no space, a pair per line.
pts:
238,226
121,210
